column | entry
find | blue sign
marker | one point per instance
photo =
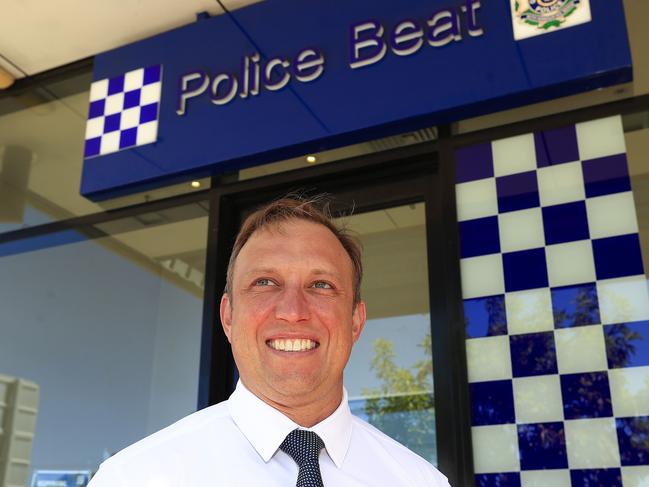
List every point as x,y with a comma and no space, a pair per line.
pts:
55,478
282,78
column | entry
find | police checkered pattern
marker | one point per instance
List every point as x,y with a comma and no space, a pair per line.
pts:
123,111
304,447
556,308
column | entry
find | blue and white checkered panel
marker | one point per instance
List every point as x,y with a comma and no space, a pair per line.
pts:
556,308
123,111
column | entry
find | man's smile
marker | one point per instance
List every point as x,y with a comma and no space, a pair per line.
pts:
292,344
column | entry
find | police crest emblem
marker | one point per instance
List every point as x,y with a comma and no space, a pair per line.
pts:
535,17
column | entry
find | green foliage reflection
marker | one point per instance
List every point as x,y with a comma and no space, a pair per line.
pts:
403,405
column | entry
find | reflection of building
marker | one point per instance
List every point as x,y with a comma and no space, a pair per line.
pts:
110,306
18,409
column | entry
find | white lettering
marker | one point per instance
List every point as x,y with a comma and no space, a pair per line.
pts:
403,36
230,94
186,94
444,28
305,64
273,64
375,43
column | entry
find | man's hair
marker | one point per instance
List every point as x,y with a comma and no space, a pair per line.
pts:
296,207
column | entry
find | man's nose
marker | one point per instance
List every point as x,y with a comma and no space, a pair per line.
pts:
292,305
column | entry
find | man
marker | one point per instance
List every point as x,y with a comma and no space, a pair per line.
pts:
292,312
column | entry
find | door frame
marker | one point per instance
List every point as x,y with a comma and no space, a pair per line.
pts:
370,182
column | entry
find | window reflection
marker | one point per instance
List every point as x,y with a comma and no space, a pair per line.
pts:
108,331
390,376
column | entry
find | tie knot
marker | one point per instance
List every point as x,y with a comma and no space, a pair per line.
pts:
302,446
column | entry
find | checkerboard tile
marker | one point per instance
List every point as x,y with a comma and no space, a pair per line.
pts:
556,309
635,476
545,478
611,215
580,349
495,449
606,175
514,155
542,446
618,256
483,276
485,316
488,359
509,479
611,477
557,146
630,391
520,230
561,184
632,434
566,222
533,354
575,305
586,395
537,399
474,163
570,263
600,138
529,311
592,444
479,237
618,353
517,191
476,199
492,402
123,111
525,269
623,300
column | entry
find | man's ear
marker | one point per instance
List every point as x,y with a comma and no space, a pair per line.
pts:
358,320
226,315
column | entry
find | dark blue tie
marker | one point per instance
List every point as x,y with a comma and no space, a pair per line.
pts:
304,447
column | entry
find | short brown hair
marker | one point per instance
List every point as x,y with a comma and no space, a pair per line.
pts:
313,209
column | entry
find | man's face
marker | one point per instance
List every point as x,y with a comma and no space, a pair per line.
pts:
292,322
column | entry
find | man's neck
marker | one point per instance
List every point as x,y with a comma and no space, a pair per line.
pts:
307,413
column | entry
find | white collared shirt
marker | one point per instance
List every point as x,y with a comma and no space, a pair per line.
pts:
236,444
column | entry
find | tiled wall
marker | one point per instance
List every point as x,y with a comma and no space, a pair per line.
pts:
556,308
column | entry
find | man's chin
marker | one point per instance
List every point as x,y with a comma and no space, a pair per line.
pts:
295,387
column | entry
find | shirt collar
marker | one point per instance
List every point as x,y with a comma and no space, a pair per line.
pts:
265,427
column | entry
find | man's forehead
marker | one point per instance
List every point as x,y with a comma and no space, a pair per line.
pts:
323,249
279,226
293,228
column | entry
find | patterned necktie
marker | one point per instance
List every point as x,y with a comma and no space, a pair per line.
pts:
304,447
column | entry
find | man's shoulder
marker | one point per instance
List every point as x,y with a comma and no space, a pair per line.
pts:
405,457
188,429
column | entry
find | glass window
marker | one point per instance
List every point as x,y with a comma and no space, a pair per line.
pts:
390,374
103,334
41,156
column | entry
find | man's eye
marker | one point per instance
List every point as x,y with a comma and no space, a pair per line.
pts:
322,285
264,282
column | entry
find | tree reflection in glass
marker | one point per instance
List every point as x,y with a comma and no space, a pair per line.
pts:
403,406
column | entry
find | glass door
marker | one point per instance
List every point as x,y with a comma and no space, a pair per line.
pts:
407,373
390,374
